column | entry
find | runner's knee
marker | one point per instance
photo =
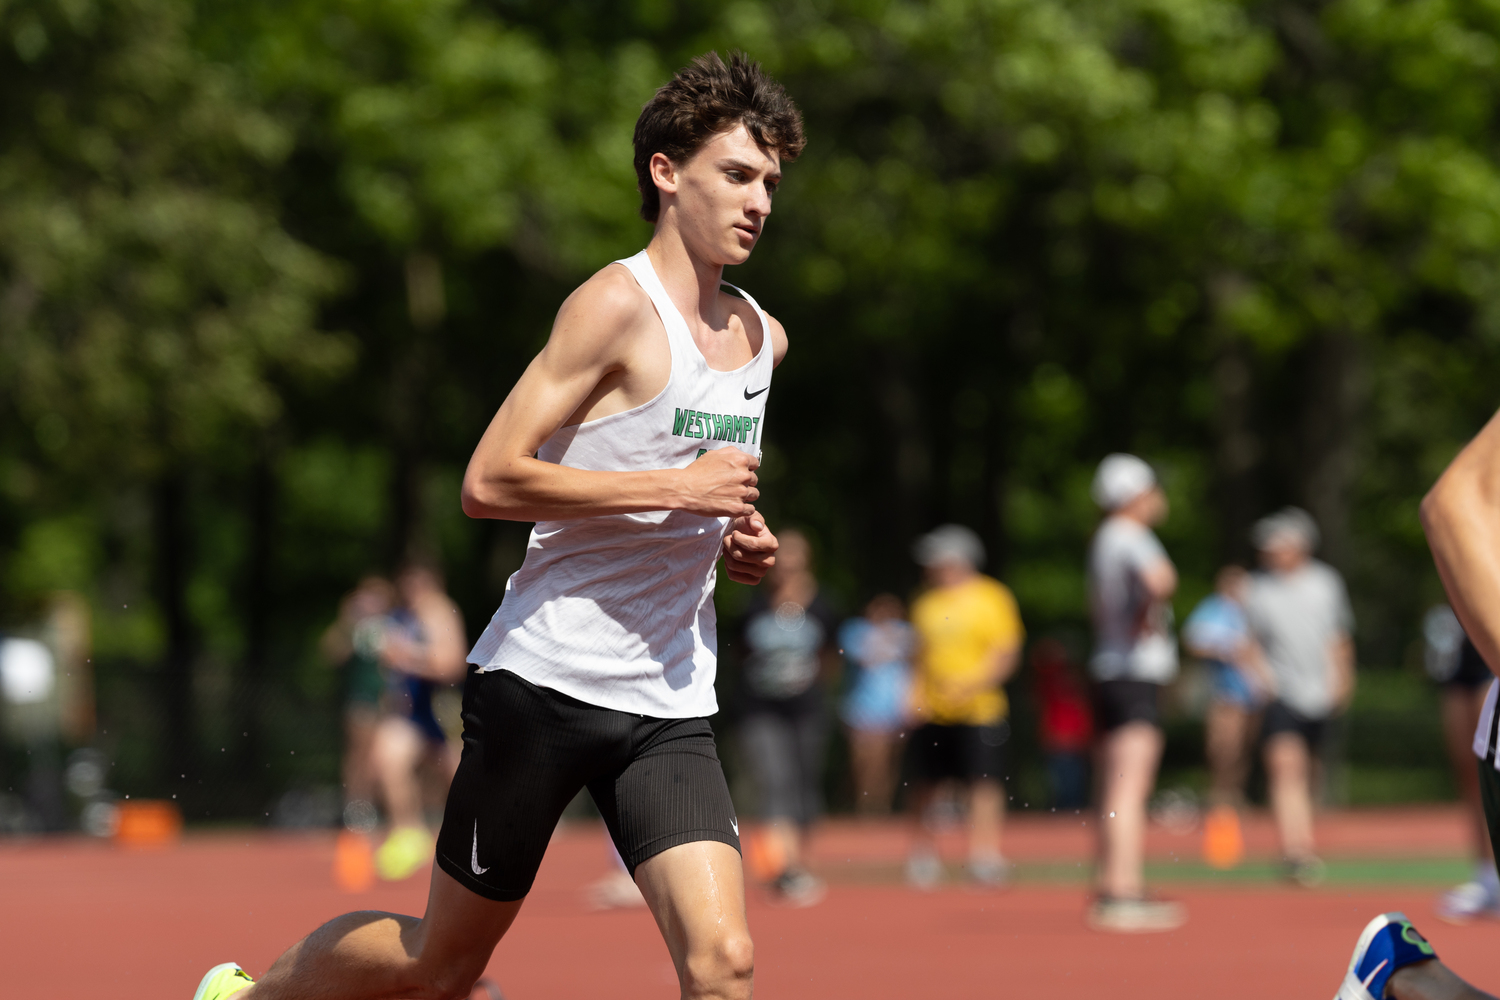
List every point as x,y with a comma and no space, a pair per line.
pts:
724,970
450,981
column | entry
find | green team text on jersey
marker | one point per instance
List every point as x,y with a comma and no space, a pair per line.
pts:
716,426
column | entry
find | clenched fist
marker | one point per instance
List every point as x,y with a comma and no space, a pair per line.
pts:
749,550
720,484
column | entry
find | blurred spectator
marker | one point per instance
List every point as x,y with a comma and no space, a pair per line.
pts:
878,649
968,639
31,724
1453,662
46,703
1300,616
1067,723
423,645
1218,633
788,639
352,643
1131,582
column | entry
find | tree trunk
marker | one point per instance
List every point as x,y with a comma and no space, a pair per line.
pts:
1329,440
259,600
426,306
910,469
1237,451
171,528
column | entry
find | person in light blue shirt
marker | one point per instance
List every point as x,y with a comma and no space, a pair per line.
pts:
878,649
1218,633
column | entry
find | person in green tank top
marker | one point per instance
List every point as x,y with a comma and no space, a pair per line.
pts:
352,645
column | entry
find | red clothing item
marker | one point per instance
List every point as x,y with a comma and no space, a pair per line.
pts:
1067,720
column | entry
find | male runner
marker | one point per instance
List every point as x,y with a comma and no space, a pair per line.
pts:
632,440
1461,516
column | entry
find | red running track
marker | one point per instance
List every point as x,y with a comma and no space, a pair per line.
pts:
83,919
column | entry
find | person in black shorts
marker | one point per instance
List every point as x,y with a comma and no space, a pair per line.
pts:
632,441
969,636
1131,582
1464,679
788,646
1301,621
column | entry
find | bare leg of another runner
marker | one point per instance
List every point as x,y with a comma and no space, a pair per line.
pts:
1431,981
398,752
1228,726
1461,708
697,894
1128,762
385,956
1289,770
986,819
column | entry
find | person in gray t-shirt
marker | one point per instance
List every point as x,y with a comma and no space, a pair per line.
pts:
1300,617
1131,582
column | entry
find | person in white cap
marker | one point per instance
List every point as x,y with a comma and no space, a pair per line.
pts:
1300,617
1131,581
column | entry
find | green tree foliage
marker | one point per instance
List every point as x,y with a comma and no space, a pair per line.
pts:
151,294
1256,242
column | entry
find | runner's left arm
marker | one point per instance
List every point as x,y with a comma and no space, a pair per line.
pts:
1461,516
750,547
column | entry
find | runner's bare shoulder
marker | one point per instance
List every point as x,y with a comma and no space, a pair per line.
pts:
604,319
745,313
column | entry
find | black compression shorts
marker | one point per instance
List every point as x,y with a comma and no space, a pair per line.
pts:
1282,718
1120,702
529,750
964,753
1471,672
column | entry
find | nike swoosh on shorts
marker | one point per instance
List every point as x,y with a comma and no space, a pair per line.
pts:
474,860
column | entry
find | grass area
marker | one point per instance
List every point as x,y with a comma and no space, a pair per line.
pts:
1436,873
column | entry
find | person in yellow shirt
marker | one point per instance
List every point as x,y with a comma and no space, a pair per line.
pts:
968,643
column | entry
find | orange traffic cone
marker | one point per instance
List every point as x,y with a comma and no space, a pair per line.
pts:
765,855
1223,841
353,862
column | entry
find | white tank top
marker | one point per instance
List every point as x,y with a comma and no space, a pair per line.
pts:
618,611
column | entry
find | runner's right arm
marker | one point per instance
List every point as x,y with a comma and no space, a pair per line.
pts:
599,334
1461,515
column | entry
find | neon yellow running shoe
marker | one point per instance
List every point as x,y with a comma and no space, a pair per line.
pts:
404,852
223,981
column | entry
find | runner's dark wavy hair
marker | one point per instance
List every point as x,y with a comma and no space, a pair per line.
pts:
707,98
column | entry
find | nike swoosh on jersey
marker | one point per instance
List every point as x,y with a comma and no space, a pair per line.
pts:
474,859
752,395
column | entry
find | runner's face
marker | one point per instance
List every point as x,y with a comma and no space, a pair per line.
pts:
723,195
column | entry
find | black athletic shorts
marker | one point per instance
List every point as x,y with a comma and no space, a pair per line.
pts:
1489,794
938,753
1281,718
527,752
1472,672
1489,786
1117,703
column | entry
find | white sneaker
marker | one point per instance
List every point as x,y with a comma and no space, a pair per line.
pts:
1136,916
1389,942
924,870
989,873
1470,901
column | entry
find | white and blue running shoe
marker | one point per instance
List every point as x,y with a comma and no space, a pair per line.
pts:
1389,942
1474,900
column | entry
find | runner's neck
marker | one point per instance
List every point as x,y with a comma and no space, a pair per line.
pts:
691,281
